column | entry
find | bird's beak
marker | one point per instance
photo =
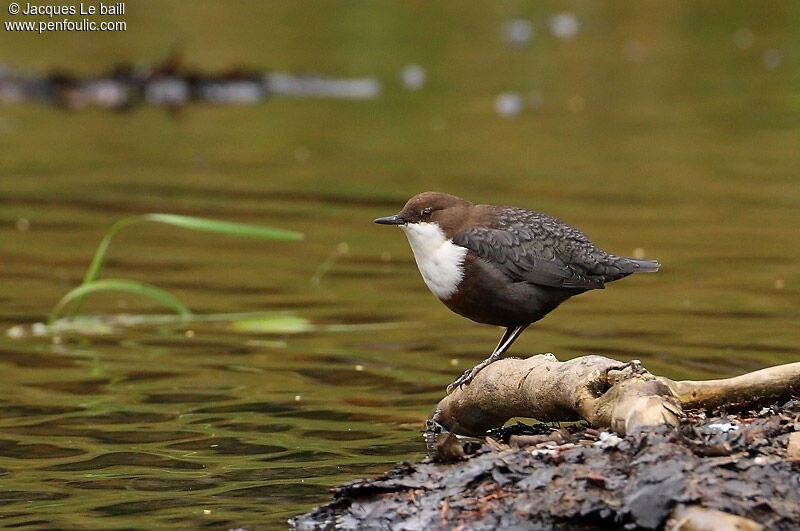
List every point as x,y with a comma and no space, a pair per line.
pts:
391,220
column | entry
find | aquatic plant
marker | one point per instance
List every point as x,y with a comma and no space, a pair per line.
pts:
90,283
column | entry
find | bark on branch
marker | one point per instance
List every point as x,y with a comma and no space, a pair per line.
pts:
622,396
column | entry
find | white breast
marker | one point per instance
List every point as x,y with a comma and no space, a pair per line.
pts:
439,260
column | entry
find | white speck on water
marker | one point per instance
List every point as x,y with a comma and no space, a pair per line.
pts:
359,368
413,77
509,104
518,31
23,224
564,25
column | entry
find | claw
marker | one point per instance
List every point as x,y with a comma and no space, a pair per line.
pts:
508,337
462,380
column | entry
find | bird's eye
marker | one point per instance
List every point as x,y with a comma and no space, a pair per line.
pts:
426,212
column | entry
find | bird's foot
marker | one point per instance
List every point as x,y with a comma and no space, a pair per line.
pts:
467,377
464,379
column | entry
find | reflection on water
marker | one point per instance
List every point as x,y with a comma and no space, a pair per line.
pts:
673,131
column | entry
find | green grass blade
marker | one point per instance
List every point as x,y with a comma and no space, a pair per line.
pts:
188,222
225,227
99,257
128,286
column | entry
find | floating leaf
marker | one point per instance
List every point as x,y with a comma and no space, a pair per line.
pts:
274,324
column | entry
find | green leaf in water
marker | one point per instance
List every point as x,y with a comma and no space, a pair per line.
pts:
274,324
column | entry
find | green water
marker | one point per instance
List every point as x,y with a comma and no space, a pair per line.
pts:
670,127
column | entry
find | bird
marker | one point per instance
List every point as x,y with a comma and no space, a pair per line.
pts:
501,265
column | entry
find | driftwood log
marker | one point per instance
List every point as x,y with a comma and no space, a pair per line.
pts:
607,393
685,461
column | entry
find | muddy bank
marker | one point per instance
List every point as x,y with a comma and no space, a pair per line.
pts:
542,477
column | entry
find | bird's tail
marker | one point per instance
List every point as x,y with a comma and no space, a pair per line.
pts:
644,266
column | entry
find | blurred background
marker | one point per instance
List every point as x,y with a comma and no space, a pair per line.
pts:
667,130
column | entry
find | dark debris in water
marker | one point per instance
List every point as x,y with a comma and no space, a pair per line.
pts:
577,477
171,84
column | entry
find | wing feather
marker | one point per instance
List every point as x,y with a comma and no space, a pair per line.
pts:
533,247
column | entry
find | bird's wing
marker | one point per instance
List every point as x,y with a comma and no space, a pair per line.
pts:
537,248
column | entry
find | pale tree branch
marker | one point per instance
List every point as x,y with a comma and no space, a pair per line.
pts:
622,396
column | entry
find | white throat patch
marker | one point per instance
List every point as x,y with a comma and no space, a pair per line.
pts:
440,261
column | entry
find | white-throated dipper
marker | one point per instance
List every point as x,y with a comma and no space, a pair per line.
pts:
503,266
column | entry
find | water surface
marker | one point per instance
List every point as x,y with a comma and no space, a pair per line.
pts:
663,129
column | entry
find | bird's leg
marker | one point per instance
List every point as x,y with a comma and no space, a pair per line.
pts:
509,336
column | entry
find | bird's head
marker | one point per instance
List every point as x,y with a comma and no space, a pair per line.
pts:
447,211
